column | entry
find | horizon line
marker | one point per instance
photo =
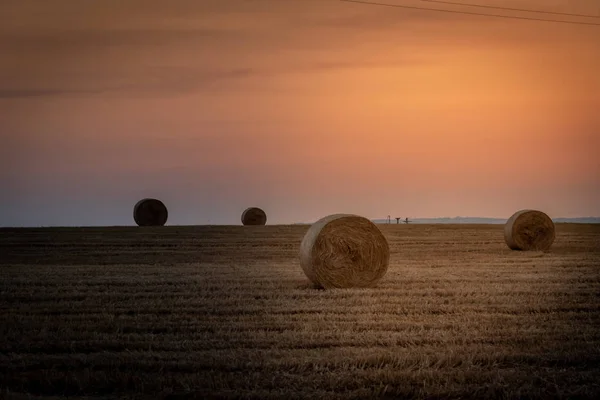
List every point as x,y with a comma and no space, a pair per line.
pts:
374,220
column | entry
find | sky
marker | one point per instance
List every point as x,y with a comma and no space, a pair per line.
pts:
301,107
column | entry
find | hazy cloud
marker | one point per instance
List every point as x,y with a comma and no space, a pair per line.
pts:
22,93
166,80
163,80
77,39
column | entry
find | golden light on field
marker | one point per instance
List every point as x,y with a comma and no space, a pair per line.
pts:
196,310
344,251
529,230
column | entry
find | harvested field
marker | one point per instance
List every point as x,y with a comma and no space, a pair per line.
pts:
226,312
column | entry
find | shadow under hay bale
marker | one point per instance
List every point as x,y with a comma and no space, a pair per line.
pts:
344,251
150,212
254,216
529,230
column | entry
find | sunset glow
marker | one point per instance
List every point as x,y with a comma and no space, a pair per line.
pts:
303,108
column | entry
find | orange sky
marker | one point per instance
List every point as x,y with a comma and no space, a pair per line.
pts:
304,108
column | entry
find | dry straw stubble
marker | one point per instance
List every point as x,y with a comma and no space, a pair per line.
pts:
150,212
254,216
344,251
529,230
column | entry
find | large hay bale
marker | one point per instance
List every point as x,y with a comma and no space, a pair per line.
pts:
344,251
529,230
150,212
254,216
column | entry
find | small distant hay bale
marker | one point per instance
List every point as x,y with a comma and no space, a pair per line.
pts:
150,212
254,216
344,251
529,230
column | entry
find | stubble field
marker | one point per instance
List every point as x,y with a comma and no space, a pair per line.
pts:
226,312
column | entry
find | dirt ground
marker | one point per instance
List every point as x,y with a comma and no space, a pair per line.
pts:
226,312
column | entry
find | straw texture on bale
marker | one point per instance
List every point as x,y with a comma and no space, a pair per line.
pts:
344,251
150,212
254,216
529,230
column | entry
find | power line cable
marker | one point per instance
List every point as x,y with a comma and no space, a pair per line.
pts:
472,13
512,9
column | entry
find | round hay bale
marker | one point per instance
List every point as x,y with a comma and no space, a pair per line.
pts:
529,230
150,212
254,216
344,251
